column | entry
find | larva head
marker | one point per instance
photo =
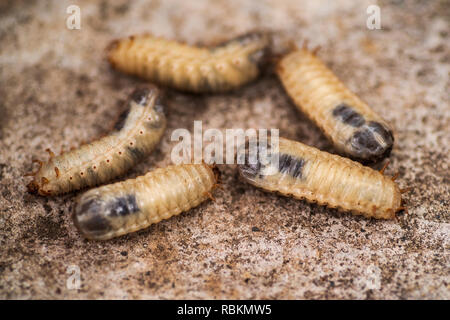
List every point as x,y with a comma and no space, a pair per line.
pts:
97,215
255,44
43,181
372,142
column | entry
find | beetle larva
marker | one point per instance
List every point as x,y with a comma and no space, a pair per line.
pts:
353,127
116,209
135,135
307,173
197,69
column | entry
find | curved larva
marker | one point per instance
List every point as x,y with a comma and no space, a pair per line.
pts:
135,135
197,69
353,127
307,173
116,209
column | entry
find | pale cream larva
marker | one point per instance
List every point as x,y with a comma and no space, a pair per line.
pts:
353,127
220,68
305,172
120,208
135,135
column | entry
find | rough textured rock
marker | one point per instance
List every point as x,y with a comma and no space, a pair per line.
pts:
56,90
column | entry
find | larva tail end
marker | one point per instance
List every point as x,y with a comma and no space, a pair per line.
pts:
316,50
218,186
79,227
275,59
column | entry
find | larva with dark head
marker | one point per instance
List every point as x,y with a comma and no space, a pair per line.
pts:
135,135
196,69
353,127
124,207
307,173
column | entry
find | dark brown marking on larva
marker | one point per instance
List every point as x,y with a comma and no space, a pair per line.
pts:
92,222
122,206
291,165
348,115
371,141
93,175
287,164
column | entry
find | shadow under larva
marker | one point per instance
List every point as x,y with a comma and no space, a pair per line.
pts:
135,135
353,127
124,207
221,68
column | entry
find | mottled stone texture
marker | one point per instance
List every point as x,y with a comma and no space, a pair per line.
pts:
57,90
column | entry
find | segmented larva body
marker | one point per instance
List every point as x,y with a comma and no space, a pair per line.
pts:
196,69
353,127
137,132
116,209
307,173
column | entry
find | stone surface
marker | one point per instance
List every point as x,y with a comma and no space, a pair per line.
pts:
56,90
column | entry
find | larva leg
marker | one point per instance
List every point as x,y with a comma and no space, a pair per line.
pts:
353,127
135,134
131,205
307,173
224,67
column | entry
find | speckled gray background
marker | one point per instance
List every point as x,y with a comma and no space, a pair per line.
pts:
57,90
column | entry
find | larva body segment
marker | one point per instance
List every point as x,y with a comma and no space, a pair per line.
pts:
116,209
136,133
196,69
307,173
353,127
